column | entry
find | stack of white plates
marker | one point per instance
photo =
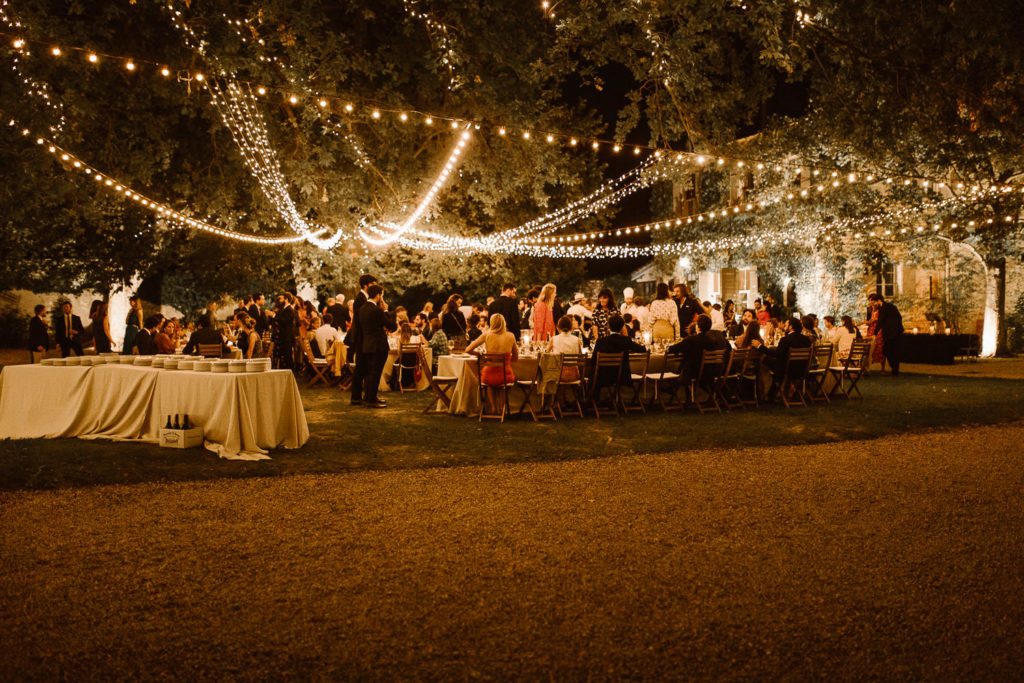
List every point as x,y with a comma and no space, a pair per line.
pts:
73,360
170,364
236,366
186,364
203,365
127,360
221,365
143,360
48,361
257,365
60,362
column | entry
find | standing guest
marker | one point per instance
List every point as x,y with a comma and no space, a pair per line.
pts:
507,307
777,358
558,309
428,310
38,334
773,308
144,344
287,331
663,321
249,342
498,341
729,313
453,321
543,314
717,318
68,331
604,311
890,325
578,308
163,341
354,341
101,328
258,313
132,324
689,307
763,314
206,334
438,342
374,324
526,317
641,311
339,313
326,334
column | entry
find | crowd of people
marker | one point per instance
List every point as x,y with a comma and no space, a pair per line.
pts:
674,320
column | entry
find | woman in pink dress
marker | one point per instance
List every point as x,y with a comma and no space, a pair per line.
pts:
878,350
543,315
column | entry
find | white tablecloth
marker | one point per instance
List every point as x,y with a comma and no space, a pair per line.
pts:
241,414
339,352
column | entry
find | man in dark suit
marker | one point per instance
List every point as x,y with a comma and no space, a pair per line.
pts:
694,346
258,313
144,343
38,334
508,306
890,324
777,358
339,313
616,342
206,334
68,330
374,325
354,340
287,330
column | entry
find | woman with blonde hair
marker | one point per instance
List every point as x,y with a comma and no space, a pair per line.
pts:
497,340
543,314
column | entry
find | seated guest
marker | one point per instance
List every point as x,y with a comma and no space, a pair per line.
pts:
616,342
163,341
206,334
752,332
777,358
474,330
693,347
421,326
810,325
438,342
566,342
408,360
498,340
249,342
325,335
846,334
144,343
717,318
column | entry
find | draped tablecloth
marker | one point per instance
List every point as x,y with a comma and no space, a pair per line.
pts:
241,414
466,394
340,352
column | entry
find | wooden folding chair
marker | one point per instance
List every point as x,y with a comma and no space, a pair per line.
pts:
751,375
492,360
209,350
439,384
818,372
729,384
320,368
795,376
529,387
712,364
406,351
612,364
578,386
852,369
637,380
667,382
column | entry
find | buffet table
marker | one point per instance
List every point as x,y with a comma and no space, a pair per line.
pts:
935,349
241,414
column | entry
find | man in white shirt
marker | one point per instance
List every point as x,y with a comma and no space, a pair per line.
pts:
326,334
717,318
578,308
627,303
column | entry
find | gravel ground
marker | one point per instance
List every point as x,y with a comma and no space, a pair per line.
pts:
893,558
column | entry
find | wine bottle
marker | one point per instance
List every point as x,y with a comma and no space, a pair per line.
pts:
177,425
184,422
168,423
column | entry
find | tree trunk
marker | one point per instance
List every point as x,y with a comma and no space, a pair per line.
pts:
993,342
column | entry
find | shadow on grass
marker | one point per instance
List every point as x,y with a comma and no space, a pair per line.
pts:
345,439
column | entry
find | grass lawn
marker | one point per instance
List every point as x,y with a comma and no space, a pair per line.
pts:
347,439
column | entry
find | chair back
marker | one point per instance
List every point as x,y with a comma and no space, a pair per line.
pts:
637,363
490,360
307,350
737,362
823,354
674,363
798,362
209,350
406,350
607,367
712,365
858,353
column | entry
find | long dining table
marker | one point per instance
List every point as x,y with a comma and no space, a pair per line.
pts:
339,354
465,397
242,415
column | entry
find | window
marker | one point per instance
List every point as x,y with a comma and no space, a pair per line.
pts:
885,280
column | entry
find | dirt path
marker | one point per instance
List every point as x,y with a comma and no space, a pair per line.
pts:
898,557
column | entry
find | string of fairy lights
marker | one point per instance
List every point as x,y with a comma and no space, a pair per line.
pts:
238,104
